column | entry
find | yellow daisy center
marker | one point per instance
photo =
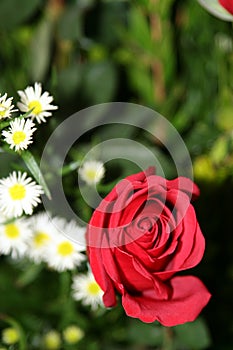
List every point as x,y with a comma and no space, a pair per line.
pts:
65,248
18,137
93,288
40,239
12,231
17,192
36,106
3,110
91,174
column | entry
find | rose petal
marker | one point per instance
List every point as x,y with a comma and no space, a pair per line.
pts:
101,276
185,185
188,299
227,4
191,246
134,281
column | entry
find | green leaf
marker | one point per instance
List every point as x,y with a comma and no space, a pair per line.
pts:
29,275
35,170
69,80
67,169
4,124
224,118
145,334
140,29
100,81
145,3
85,4
40,52
194,335
70,25
14,12
219,150
142,82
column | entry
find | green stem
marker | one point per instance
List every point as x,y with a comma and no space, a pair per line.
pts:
5,124
64,284
64,298
167,339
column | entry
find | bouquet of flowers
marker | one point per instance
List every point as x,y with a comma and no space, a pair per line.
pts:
125,241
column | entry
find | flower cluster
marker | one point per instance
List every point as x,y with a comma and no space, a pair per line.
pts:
52,339
36,106
139,237
43,239
40,238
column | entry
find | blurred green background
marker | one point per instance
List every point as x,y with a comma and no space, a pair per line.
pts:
169,55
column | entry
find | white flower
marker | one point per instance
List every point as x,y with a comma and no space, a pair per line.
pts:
92,172
50,244
19,135
86,289
62,253
14,236
18,194
6,107
73,232
43,232
32,98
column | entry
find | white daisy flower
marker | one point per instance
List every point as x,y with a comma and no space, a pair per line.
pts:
73,232
92,172
14,237
6,106
40,104
43,232
19,135
62,253
86,289
18,194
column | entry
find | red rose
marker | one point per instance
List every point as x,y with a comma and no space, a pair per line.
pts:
227,4
139,237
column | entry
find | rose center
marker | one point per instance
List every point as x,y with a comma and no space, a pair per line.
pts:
145,224
36,106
